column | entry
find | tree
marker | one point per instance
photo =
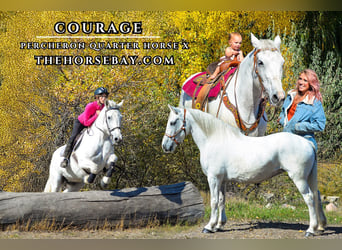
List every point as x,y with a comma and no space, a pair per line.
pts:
39,103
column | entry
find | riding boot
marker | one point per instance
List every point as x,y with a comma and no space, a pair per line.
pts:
67,153
77,128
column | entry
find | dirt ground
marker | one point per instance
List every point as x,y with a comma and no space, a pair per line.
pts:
233,230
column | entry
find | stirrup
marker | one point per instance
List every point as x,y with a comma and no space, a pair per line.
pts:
64,163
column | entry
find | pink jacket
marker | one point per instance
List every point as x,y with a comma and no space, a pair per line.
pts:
89,115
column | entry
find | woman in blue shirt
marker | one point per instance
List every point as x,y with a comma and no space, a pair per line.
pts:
302,112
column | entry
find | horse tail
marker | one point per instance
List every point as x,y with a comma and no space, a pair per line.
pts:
47,186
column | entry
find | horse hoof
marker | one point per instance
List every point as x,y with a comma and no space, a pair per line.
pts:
308,234
320,232
90,178
103,185
207,231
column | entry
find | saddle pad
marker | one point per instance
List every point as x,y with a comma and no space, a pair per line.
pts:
76,143
189,87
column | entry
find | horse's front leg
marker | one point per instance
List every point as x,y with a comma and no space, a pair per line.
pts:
214,186
109,172
89,179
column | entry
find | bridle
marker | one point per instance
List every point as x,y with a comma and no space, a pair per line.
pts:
256,70
109,129
173,137
263,100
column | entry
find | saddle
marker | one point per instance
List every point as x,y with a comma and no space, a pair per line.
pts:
204,84
76,142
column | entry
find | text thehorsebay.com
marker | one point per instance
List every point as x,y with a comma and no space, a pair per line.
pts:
126,36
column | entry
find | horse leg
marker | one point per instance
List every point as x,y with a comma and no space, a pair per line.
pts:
322,220
73,187
53,184
309,198
214,186
106,179
89,179
312,180
222,219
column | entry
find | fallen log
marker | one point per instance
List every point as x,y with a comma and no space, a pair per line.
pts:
176,203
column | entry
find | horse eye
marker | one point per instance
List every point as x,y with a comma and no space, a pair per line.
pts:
109,117
260,63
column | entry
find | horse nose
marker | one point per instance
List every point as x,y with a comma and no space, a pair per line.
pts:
275,98
118,139
278,98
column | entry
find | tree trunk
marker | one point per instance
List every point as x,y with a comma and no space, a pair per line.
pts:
177,203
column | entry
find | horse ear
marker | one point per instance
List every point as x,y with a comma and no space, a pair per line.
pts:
173,109
277,42
254,40
107,103
120,104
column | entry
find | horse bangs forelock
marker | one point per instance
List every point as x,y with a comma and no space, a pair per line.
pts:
266,44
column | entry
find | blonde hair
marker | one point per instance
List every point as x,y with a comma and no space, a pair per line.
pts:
233,34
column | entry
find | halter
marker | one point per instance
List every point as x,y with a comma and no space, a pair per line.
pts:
256,70
262,103
235,109
173,137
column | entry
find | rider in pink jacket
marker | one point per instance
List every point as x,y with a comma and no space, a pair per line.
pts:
84,120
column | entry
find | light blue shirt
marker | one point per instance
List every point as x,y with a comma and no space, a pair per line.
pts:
308,118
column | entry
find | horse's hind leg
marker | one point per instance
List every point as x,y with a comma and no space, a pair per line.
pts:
73,187
53,184
312,180
222,219
322,220
309,198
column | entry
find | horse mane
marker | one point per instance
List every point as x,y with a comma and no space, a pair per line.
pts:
211,125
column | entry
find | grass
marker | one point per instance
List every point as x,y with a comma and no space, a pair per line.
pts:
238,209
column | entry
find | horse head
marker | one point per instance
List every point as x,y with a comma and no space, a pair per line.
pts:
268,68
175,131
113,121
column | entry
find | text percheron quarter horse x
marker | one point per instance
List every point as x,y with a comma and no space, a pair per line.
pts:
228,155
94,153
257,78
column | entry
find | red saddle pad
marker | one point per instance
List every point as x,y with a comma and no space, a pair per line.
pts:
189,87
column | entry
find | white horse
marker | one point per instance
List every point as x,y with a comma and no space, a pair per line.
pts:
228,155
94,153
259,75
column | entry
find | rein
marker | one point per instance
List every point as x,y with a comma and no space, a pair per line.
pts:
173,137
235,110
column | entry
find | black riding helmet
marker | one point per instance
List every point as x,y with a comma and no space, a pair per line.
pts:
100,91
